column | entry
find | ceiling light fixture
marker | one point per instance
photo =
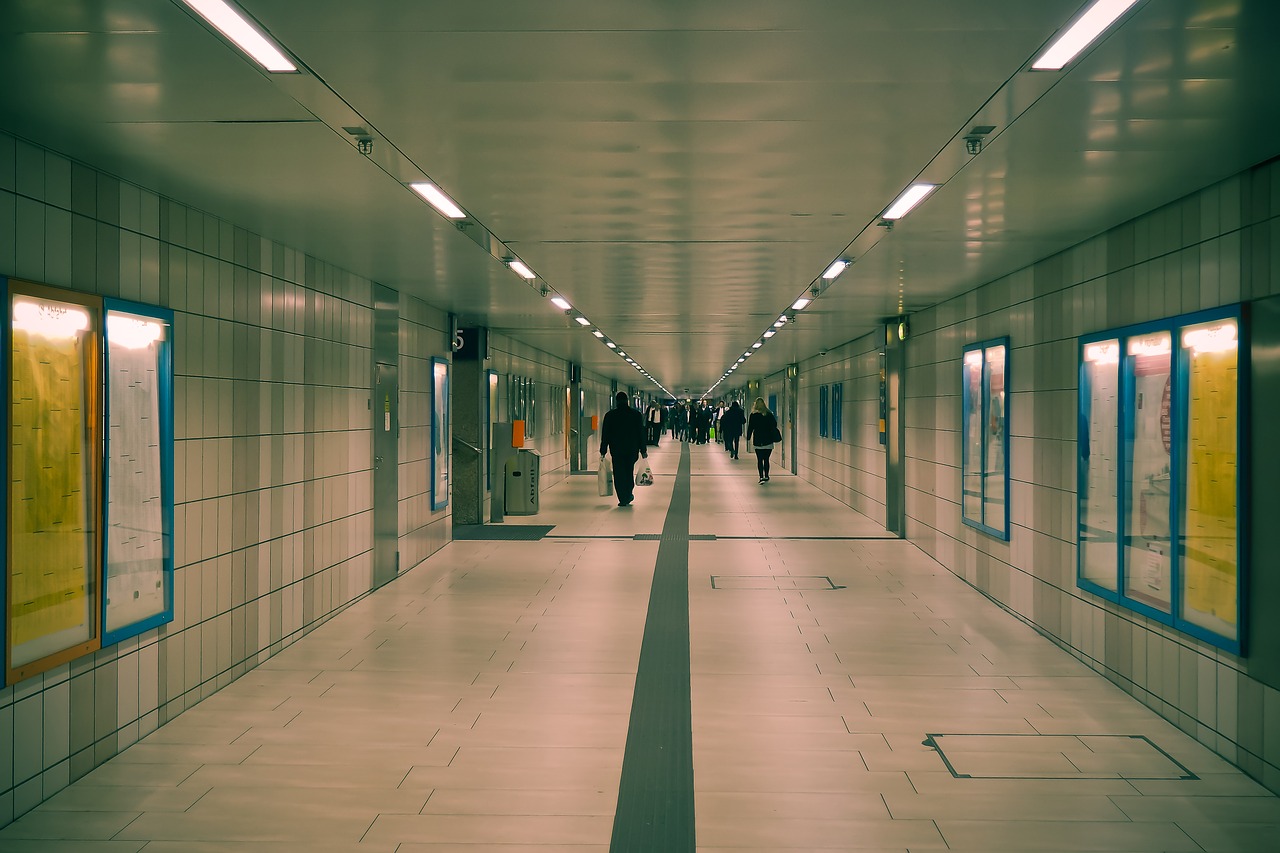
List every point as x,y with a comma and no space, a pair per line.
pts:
561,303
1086,29
904,204
583,321
598,333
518,267
757,345
801,303
610,344
244,35
770,333
437,199
832,272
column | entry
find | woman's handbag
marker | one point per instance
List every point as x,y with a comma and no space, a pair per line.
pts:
777,434
604,478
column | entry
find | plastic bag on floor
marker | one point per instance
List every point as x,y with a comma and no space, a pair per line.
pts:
604,477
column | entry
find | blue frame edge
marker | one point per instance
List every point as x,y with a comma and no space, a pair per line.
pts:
166,463
1173,325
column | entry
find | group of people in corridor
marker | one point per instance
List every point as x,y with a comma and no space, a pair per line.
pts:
626,433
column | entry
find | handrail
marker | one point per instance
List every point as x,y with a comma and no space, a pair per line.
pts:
477,451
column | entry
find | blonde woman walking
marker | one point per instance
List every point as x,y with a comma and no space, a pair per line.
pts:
762,434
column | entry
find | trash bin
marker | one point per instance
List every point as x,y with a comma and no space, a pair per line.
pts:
522,482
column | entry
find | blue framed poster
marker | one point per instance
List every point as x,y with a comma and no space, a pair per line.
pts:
837,411
984,470
822,411
1161,472
138,445
439,433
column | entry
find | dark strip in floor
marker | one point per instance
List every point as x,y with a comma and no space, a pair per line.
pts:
501,532
655,796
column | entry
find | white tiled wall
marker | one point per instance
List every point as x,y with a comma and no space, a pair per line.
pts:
1216,247
272,455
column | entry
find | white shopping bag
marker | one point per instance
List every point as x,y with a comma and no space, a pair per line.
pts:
605,478
645,475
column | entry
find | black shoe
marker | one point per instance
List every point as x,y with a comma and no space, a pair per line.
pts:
762,481
626,502
766,478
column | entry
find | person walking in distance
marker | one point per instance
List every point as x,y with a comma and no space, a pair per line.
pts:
623,433
731,424
762,433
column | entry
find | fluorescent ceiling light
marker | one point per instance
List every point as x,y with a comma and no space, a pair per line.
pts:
561,303
914,194
438,199
741,360
779,324
801,303
598,333
833,271
757,345
243,34
583,321
770,333
1066,47
610,344
521,270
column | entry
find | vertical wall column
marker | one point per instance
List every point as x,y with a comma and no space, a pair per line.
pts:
470,392
895,457
385,409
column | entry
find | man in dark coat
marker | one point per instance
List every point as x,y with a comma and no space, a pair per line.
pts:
623,432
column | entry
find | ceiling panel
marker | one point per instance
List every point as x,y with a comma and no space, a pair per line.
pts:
680,170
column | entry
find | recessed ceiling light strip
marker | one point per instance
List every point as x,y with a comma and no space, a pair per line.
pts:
232,23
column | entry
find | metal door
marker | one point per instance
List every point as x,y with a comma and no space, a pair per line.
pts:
895,462
386,479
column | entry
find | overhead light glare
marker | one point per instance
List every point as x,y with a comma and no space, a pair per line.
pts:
437,199
583,321
518,267
598,333
801,303
770,333
244,35
561,303
904,204
833,272
1093,23
610,344
757,345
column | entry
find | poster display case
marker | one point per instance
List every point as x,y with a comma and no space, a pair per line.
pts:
138,542
837,411
1160,450
53,500
985,437
88,558
439,433
822,411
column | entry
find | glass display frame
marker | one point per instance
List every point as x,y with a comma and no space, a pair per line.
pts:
76,638
823,415
439,433
159,455
1187,453
837,411
984,463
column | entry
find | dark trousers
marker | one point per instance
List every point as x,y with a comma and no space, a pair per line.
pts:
762,461
624,476
731,444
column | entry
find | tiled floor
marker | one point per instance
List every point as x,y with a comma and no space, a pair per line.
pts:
481,703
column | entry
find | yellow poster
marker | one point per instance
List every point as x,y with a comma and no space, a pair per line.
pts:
1209,526
50,536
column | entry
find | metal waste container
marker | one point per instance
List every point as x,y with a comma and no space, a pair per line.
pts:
522,482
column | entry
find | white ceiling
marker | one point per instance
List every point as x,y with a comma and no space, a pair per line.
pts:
679,170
